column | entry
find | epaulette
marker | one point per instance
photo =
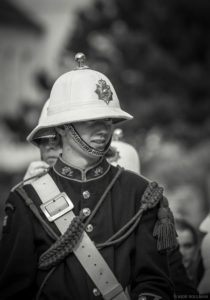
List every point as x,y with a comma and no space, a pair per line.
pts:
151,196
164,229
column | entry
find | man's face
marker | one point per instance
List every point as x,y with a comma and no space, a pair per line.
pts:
187,246
96,133
50,150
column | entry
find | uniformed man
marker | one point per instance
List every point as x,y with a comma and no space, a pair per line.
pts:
49,144
86,230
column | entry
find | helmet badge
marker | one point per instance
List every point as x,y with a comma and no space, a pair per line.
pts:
103,91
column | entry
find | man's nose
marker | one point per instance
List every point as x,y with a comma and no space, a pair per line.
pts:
104,128
50,147
181,249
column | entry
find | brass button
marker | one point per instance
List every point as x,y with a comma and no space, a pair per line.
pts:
89,228
96,292
86,194
86,211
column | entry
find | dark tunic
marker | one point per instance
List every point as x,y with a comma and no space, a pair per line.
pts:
135,262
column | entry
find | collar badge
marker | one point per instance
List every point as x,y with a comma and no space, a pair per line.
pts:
98,171
67,171
103,91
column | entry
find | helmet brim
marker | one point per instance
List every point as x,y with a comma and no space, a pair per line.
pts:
78,115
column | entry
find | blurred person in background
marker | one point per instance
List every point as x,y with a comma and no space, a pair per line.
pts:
83,203
186,198
50,148
49,144
204,284
123,154
189,245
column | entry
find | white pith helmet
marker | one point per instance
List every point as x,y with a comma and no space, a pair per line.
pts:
204,227
204,286
205,224
123,154
43,133
81,95
126,156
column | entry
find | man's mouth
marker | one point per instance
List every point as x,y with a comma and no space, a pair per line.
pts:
51,160
99,139
99,143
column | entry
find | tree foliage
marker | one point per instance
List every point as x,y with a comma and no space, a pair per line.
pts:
157,55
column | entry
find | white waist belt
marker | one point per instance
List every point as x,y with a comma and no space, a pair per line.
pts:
58,208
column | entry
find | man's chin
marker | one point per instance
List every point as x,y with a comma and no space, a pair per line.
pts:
51,161
99,147
186,263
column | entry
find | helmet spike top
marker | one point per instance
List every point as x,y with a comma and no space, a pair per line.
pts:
80,58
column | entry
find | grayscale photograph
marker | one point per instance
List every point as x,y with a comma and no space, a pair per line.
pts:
104,149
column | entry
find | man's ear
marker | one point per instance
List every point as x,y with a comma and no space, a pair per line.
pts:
60,130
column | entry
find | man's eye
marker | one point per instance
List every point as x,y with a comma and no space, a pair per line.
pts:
91,122
108,120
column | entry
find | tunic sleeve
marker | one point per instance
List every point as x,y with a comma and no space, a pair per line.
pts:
183,285
151,273
18,259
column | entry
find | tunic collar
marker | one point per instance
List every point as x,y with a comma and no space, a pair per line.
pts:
71,172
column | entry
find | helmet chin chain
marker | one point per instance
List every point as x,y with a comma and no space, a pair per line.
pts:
83,145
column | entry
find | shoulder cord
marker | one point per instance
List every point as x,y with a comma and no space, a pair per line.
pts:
63,245
152,195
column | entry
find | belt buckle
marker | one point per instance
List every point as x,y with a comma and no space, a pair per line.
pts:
57,206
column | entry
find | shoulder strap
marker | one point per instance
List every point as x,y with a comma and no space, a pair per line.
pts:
58,209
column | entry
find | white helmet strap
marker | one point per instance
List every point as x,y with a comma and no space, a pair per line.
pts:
83,145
